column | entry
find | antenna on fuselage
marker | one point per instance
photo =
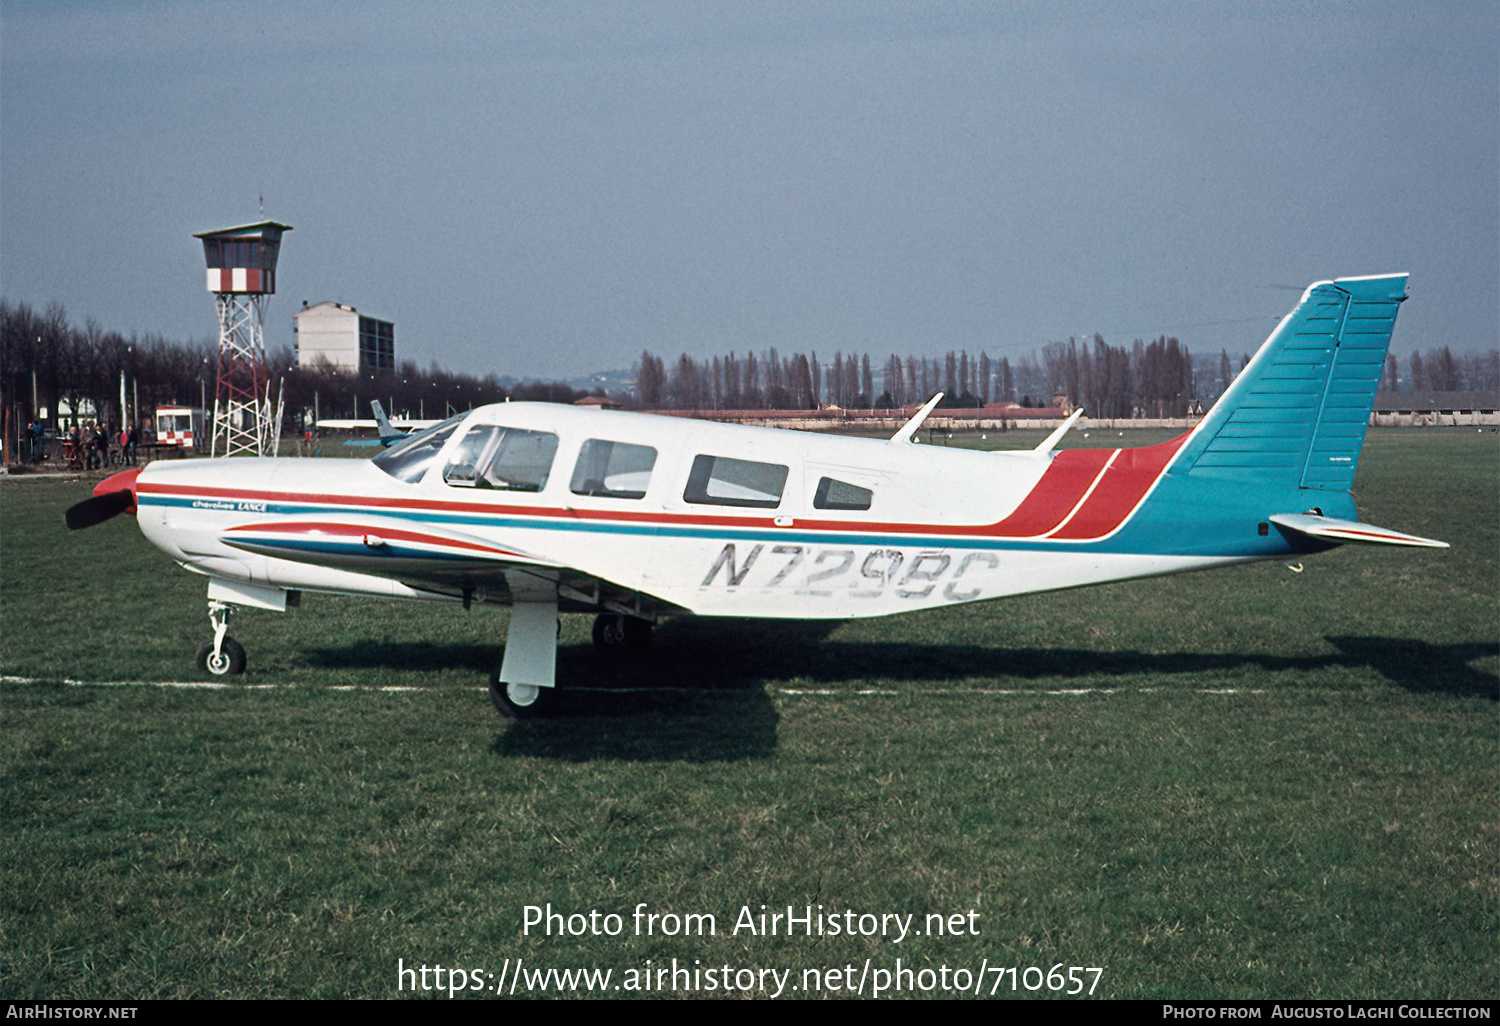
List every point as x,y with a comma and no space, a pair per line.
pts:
910,427
1050,442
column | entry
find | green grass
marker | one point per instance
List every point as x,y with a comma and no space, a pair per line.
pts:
1239,784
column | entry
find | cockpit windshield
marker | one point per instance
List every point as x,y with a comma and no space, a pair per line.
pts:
409,458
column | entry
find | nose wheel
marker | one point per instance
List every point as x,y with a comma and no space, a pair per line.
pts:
228,661
221,655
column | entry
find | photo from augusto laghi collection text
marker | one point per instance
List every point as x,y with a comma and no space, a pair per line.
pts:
870,977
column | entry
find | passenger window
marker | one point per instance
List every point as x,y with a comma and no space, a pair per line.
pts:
614,470
490,456
833,494
720,481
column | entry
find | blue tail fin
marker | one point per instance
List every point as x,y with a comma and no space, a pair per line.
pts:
1296,415
1268,471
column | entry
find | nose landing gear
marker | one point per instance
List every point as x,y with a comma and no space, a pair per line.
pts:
221,656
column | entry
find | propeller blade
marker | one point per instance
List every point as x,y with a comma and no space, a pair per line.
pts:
98,509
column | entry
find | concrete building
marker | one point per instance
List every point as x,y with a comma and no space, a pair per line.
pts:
345,338
1436,409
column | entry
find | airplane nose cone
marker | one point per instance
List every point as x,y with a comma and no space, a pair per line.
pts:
124,481
112,496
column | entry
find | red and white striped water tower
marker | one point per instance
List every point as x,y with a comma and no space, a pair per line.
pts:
241,274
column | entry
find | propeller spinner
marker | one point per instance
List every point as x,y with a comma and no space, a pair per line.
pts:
112,496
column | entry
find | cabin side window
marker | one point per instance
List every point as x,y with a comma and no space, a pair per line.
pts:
613,470
835,494
491,456
721,481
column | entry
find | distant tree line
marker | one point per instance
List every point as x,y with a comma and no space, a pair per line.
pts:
1147,379
326,391
1438,370
1153,379
46,358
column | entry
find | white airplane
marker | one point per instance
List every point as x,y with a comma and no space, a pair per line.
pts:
386,428
387,434
635,517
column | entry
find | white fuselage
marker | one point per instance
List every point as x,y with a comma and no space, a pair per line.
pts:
677,515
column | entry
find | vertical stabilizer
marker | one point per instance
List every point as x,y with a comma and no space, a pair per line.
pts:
1297,414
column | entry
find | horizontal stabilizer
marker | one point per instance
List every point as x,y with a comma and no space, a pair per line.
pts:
1329,529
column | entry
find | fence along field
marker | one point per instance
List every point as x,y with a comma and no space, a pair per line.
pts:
1239,784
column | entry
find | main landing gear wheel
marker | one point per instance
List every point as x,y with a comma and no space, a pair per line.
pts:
521,701
615,632
229,661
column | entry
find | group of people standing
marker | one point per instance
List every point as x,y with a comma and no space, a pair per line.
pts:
90,445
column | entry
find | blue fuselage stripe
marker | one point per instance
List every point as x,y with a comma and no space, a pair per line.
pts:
1133,537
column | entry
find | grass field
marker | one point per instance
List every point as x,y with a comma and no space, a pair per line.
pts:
1248,783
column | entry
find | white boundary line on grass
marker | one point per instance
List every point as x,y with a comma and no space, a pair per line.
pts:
200,685
209,685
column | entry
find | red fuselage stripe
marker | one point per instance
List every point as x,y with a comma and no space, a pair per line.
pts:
1123,486
1066,481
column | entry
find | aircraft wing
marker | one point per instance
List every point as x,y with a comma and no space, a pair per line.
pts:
374,545
421,556
389,432
1329,529
349,424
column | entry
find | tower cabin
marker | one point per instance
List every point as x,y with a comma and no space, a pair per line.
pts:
243,259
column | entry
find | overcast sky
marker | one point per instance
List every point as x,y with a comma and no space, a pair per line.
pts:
545,189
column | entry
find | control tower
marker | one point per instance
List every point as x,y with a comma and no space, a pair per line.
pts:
241,274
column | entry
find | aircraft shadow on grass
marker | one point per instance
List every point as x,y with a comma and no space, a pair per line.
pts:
1422,667
700,693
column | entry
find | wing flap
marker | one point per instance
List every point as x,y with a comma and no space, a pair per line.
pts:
1334,530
